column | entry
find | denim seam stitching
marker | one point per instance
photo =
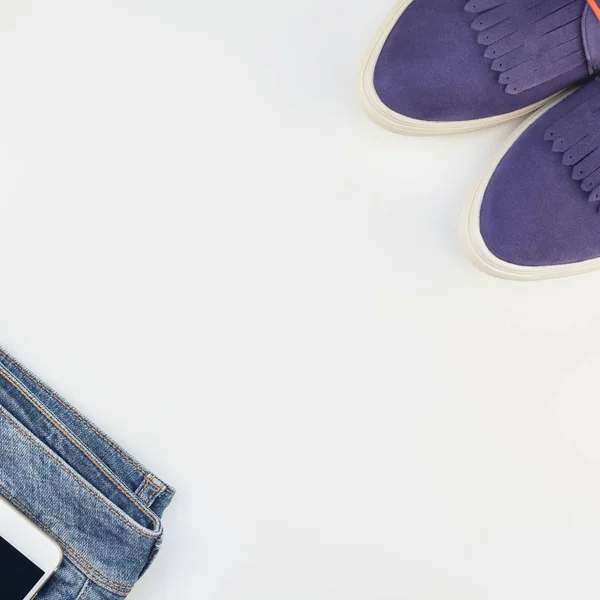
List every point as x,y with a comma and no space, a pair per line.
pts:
52,420
141,492
136,465
84,421
154,495
33,440
84,590
95,575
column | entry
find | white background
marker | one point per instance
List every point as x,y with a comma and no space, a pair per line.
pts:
209,249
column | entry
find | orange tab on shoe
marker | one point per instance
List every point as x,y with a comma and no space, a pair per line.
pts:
595,8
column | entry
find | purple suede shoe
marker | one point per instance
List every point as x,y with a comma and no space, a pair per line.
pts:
456,65
536,212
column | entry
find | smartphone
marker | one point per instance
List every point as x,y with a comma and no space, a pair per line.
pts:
28,556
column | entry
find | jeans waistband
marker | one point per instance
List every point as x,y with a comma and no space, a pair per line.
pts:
101,505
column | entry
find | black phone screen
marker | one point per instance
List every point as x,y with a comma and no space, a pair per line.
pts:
18,575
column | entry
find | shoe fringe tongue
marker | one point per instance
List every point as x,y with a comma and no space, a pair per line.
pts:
577,136
530,42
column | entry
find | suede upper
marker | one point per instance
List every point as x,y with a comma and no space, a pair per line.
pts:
433,68
534,210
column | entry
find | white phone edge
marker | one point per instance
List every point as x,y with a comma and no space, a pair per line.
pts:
31,541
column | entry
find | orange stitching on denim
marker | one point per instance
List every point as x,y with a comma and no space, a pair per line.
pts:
52,420
146,482
114,584
44,411
113,445
76,479
154,494
156,487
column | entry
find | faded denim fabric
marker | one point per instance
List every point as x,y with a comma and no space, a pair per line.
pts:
101,505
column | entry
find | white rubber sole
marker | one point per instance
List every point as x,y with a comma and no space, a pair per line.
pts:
385,117
470,232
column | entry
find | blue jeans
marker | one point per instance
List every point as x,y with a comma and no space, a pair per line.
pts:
73,481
